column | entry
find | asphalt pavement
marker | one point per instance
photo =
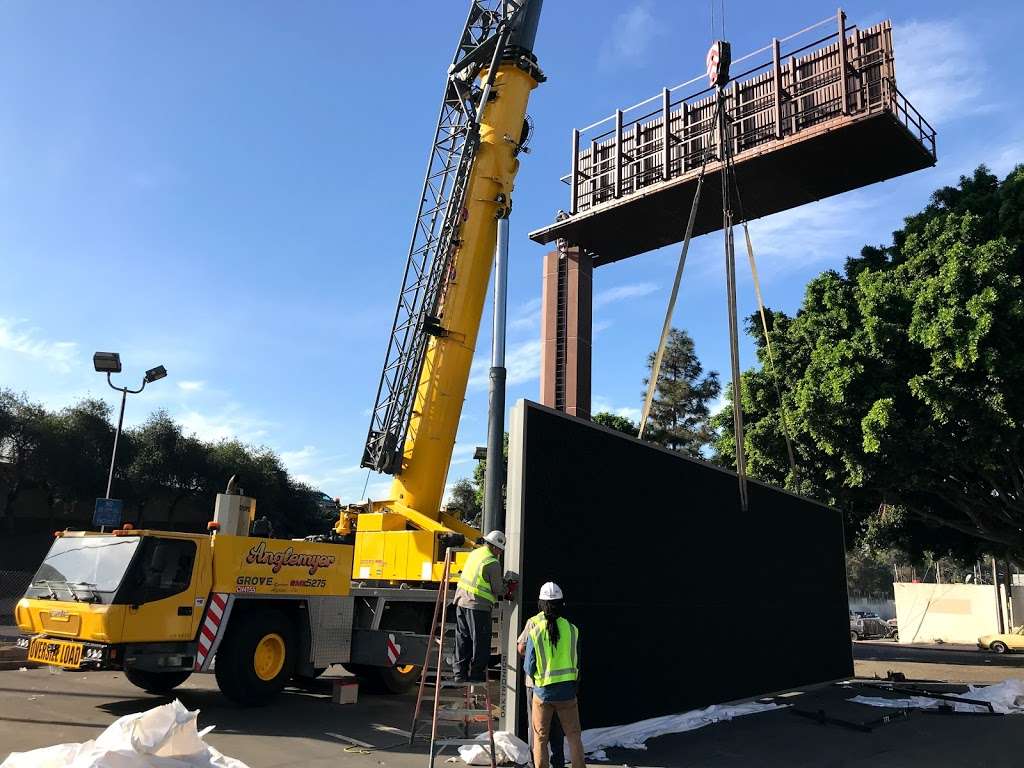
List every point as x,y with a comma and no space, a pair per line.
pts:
948,662
303,728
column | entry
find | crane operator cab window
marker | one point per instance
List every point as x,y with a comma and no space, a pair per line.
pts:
162,569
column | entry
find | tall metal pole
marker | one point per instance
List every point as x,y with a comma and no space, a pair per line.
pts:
494,476
117,436
1000,626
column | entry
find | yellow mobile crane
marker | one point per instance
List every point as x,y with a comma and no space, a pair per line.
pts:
258,611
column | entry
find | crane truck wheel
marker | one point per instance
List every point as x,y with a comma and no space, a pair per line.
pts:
401,678
256,657
398,679
156,682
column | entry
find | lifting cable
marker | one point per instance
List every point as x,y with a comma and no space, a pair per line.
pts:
652,381
730,283
783,411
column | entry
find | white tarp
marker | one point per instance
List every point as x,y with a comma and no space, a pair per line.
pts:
634,736
510,749
162,737
1007,698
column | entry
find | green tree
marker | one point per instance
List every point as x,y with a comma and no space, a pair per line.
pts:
614,421
680,414
464,499
902,378
67,453
23,437
77,455
480,474
165,462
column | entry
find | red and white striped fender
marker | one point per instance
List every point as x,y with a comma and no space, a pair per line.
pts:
211,631
394,649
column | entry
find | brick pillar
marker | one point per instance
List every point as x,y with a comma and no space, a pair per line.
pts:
566,322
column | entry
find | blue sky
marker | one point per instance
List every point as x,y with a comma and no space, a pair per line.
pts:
228,188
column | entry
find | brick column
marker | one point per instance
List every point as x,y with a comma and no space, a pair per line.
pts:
566,323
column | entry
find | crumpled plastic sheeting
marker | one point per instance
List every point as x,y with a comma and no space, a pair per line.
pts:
162,737
510,749
1007,698
635,736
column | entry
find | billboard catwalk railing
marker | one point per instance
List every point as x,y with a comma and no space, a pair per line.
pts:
795,89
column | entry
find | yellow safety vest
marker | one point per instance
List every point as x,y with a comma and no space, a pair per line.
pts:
472,578
554,664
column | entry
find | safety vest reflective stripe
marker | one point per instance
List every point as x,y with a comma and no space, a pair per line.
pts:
555,664
472,578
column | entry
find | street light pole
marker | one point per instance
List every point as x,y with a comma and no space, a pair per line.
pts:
108,363
120,421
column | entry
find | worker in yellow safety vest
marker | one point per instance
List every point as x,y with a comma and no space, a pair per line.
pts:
481,585
552,659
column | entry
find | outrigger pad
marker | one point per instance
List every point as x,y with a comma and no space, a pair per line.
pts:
682,601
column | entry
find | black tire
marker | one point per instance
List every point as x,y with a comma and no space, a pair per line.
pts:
854,635
998,647
398,679
401,679
236,666
156,682
393,679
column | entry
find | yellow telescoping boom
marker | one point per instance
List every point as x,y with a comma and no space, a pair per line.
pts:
468,188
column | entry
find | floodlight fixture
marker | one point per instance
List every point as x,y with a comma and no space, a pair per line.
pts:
155,374
107,362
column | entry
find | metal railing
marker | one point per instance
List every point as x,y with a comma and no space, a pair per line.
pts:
782,97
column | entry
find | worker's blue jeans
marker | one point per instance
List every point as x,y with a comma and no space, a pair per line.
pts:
472,642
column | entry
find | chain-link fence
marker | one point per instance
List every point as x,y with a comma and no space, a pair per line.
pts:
12,588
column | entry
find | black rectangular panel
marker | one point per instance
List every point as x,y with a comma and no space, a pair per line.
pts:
682,601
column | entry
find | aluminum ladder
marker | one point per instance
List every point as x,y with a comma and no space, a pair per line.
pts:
453,705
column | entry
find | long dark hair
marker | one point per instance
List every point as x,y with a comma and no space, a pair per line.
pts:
552,610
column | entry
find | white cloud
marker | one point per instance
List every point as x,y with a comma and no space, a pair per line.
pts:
719,404
623,293
601,404
823,230
300,458
1007,158
17,337
940,68
522,363
633,31
601,325
463,453
191,386
526,317
231,423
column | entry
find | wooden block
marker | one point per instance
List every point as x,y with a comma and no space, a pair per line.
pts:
345,690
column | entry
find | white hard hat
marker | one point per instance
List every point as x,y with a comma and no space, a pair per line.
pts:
497,538
551,591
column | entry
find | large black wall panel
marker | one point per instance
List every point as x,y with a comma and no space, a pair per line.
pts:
682,600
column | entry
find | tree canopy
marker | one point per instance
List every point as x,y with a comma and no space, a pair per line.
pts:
67,454
614,421
902,378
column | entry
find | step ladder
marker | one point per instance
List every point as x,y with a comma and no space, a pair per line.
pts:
452,706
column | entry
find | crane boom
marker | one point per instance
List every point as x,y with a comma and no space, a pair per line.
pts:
468,187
